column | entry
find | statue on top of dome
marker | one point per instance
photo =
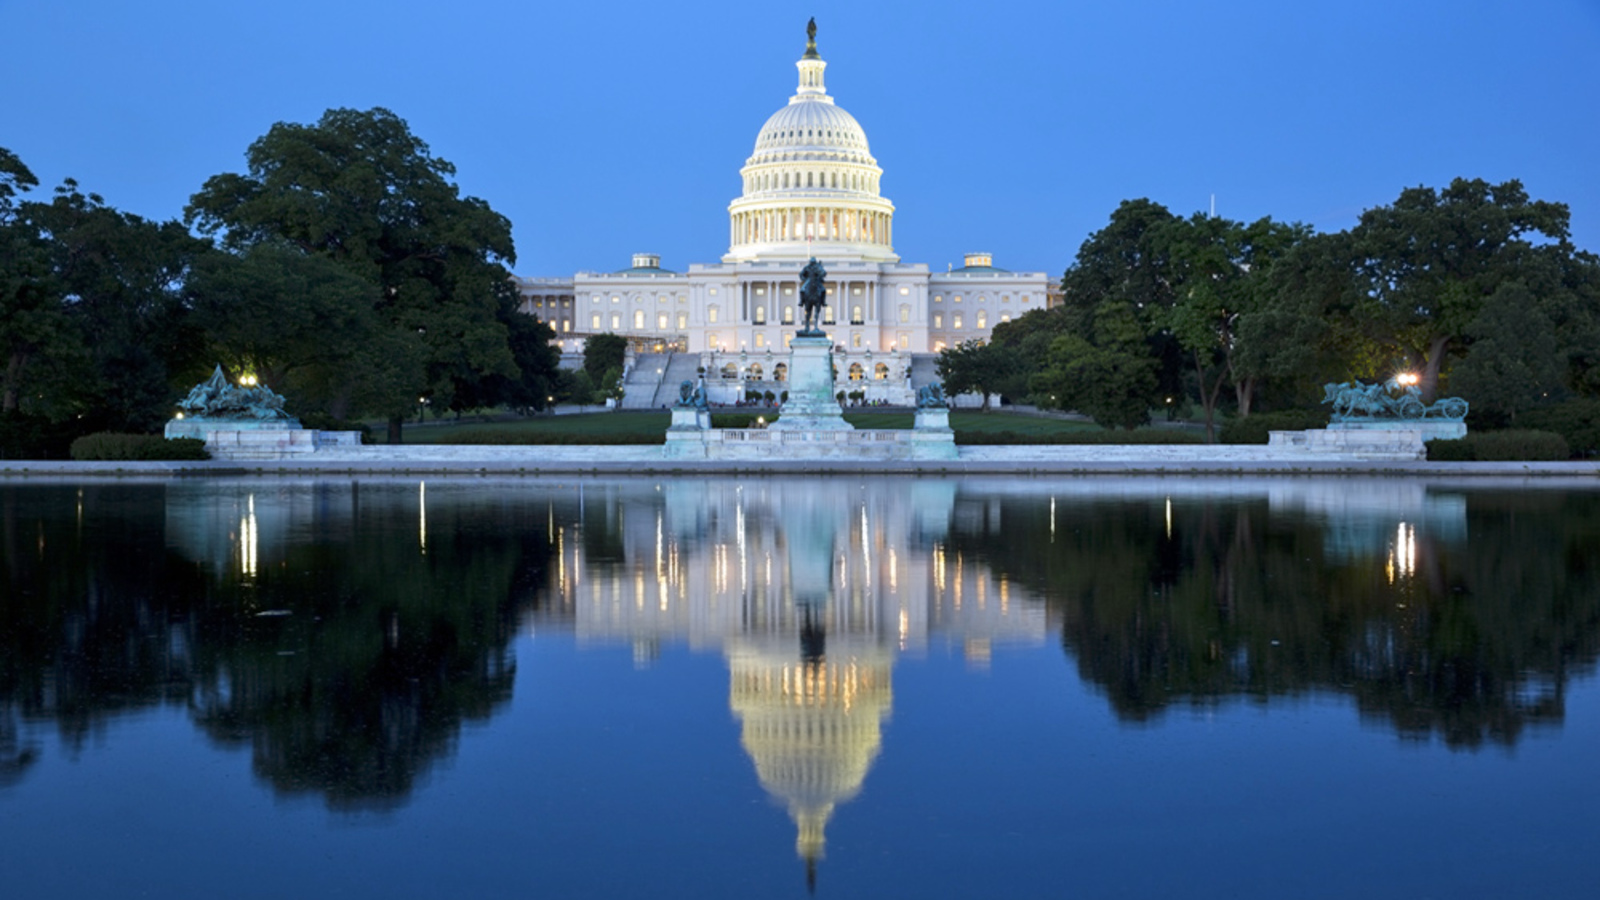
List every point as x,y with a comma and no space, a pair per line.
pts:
811,39
813,294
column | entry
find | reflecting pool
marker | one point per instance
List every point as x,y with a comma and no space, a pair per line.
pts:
764,687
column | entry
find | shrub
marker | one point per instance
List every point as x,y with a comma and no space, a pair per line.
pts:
1138,436
24,436
111,446
1254,429
1502,446
490,436
325,422
1577,420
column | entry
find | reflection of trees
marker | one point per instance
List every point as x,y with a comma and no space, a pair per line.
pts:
369,657
1475,642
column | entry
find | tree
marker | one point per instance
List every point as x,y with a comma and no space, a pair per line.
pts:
602,353
1425,264
120,278
973,366
302,323
1027,341
1116,299
33,321
360,189
1218,267
1513,361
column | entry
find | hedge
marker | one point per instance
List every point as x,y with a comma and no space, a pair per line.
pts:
1577,420
1139,436
1501,446
111,446
1254,429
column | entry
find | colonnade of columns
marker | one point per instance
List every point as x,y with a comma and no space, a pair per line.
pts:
819,223
762,302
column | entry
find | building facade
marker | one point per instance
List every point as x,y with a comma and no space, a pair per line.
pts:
811,187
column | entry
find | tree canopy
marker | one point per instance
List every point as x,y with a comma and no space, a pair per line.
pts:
359,189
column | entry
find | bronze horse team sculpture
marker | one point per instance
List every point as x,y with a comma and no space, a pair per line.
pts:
1353,401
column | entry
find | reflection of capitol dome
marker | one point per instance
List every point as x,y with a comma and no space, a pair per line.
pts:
811,181
812,729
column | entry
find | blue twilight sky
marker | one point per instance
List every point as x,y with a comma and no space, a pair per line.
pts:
604,128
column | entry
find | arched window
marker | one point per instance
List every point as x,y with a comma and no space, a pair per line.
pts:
754,372
855,372
760,315
788,315
730,371
780,372
983,319
881,371
855,315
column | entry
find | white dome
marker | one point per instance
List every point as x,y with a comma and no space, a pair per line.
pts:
813,125
811,184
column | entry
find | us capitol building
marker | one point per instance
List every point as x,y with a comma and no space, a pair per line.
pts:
810,188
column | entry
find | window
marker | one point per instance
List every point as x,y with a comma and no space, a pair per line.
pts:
616,321
780,372
855,315
905,314
1004,318
711,313
938,320
855,341
983,319
661,321
881,372
754,372
683,320
855,372
730,371
827,315
761,315
616,299
594,322
595,298
788,315
938,346
638,320
955,321
566,325
956,299
761,340
938,298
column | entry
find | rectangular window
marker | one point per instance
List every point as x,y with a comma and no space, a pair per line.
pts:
761,315
905,314
938,320
788,315
683,321
616,321
661,322
905,292
594,322
955,320
711,314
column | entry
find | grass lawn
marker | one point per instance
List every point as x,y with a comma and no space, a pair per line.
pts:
607,427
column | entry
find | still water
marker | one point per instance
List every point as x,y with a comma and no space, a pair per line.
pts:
764,687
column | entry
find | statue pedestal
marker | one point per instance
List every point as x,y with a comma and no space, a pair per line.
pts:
202,427
690,417
811,405
1431,429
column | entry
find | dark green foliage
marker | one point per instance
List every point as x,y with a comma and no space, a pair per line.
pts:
24,436
1451,450
1519,445
1254,429
501,437
111,446
1577,420
325,422
1138,436
602,353
973,366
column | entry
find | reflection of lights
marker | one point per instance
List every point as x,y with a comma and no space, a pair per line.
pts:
1052,520
1169,518
894,571
248,538
422,516
1403,555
